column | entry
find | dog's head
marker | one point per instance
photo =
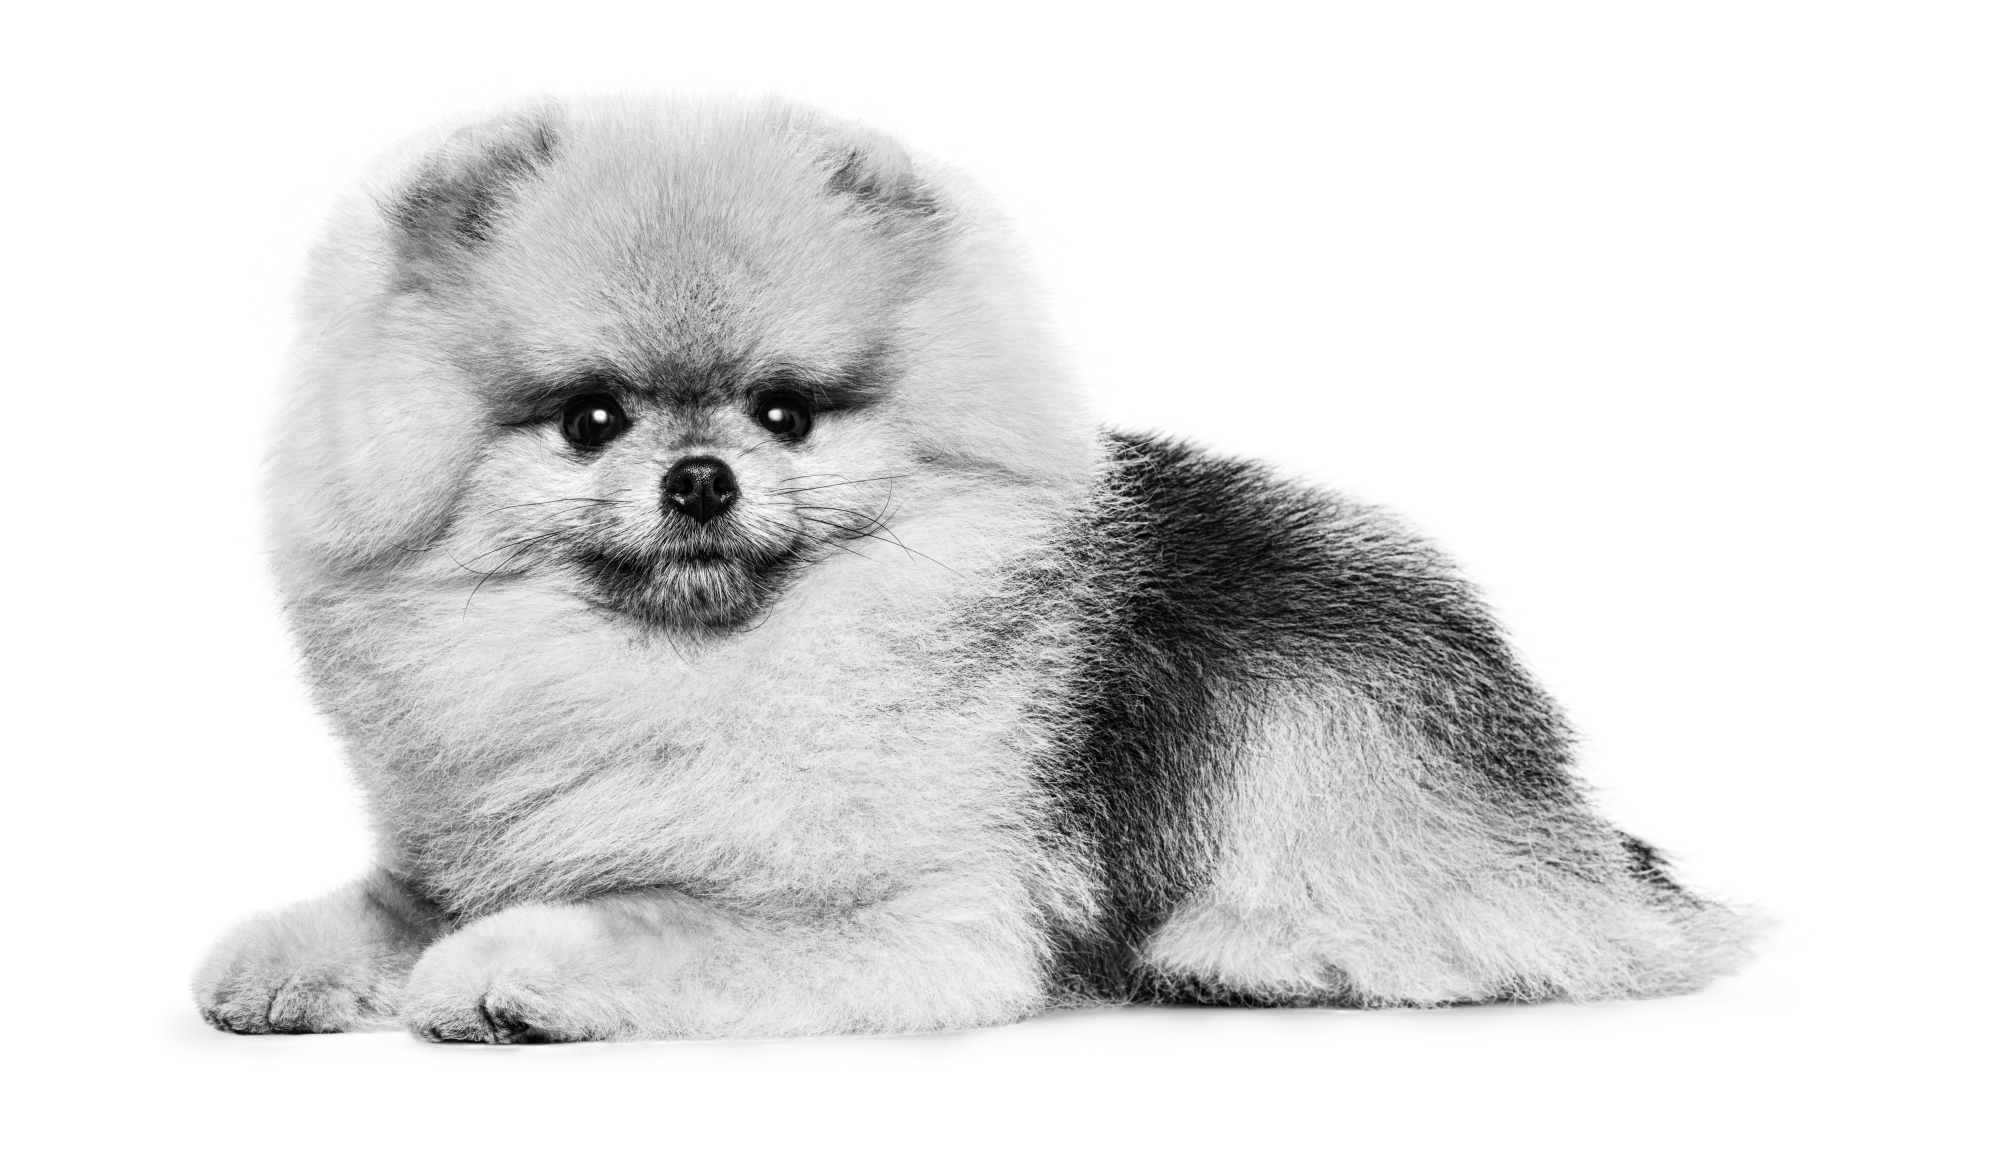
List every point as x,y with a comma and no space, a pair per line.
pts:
672,354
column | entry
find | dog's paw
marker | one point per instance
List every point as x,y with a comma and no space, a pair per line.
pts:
499,1013
273,998
536,973
269,978
330,964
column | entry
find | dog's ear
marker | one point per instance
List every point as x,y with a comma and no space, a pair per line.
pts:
457,197
870,171
377,431
878,181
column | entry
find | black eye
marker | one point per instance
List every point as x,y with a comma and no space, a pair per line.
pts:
785,414
592,420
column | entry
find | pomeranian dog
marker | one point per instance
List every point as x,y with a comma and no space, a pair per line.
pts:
740,628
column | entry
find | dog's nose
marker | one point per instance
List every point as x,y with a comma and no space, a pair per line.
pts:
700,488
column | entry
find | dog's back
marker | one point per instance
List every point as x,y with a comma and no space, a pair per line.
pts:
1314,773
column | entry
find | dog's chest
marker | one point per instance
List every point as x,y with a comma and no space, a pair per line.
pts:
521,756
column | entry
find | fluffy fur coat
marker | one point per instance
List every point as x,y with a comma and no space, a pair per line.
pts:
739,628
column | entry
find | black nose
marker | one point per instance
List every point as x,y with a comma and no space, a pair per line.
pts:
699,488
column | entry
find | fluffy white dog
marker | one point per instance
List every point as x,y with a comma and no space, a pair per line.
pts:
740,628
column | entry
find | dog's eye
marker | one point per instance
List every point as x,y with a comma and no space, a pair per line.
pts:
592,420
785,414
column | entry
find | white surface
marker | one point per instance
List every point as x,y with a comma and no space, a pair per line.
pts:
1676,326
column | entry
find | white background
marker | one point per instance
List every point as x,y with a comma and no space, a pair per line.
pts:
1675,322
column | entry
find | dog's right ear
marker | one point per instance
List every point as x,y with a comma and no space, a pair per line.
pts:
378,429
457,197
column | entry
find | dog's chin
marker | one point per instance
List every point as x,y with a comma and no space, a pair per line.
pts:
686,591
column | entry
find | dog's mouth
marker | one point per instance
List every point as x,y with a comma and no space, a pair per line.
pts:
708,577
684,587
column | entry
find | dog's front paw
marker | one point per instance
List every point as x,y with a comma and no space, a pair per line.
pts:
276,997
536,973
278,975
335,963
503,1010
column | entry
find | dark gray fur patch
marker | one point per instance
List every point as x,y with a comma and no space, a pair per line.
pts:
1216,579
458,197
856,174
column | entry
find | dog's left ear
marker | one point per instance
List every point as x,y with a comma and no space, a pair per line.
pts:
884,186
868,170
